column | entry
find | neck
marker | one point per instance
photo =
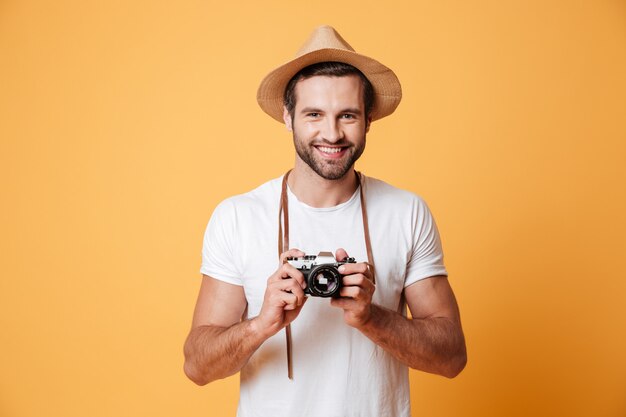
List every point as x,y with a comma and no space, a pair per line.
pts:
318,192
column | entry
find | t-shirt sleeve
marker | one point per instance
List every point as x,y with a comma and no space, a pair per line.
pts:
427,255
218,260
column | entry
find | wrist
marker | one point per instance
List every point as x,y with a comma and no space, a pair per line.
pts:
257,330
368,320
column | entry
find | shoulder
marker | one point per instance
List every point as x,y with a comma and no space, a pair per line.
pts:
378,191
266,193
262,200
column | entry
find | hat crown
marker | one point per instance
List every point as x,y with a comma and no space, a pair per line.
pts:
324,37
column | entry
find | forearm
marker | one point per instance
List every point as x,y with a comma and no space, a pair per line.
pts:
213,352
434,344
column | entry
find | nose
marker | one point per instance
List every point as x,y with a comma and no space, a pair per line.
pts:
332,131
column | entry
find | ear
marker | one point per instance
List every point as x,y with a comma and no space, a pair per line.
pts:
287,119
369,122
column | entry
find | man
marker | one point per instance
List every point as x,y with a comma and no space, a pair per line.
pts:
347,355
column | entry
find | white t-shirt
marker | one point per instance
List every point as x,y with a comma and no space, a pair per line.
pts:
337,370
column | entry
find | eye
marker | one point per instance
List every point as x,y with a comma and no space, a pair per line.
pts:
347,116
313,114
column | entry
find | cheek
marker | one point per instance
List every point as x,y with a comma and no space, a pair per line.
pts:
357,132
306,129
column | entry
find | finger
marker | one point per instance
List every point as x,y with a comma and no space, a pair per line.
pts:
287,271
356,293
341,254
358,268
290,301
288,286
356,313
291,253
357,280
355,286
284,300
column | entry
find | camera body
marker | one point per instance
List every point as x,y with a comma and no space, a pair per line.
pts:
321,273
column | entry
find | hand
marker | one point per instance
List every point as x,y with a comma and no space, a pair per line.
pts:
284,297
356,293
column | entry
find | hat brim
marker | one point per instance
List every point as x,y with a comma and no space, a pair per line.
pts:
387,89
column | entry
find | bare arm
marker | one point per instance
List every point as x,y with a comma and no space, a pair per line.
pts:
220,342
432,341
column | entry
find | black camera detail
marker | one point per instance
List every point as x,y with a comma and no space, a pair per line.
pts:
321,273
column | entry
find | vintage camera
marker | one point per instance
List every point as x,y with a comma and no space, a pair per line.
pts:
320,273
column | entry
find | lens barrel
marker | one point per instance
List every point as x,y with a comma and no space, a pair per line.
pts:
324,281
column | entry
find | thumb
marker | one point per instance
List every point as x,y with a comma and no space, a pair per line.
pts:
341,254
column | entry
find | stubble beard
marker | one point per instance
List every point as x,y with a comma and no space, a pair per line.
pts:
325,168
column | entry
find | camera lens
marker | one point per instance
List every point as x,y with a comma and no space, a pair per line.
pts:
324,281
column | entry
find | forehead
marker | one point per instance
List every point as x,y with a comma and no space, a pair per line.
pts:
323,91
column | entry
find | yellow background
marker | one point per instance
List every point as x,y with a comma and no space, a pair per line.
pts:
123,124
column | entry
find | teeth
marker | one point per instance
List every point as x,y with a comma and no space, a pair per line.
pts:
329,150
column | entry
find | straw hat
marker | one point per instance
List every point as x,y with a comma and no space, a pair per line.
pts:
324,45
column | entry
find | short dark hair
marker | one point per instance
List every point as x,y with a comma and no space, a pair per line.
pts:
328,69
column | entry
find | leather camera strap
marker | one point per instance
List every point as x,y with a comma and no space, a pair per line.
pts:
283,246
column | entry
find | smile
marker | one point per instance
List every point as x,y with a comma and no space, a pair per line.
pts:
329,152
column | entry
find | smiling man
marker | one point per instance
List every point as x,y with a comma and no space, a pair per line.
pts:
313,337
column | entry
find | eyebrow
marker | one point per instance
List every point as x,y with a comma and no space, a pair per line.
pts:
352,110
316,110
311,110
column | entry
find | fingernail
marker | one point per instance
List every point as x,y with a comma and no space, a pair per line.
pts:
342,268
